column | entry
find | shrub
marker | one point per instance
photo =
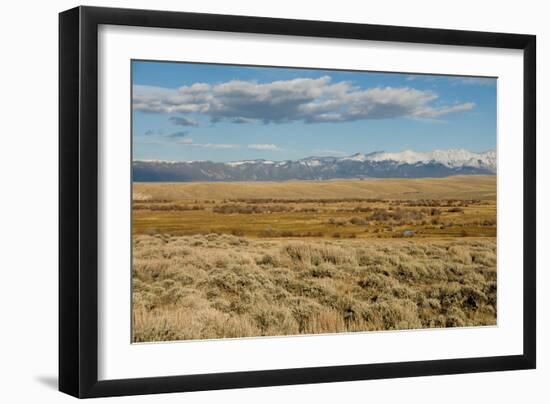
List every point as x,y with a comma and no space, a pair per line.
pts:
456,209
224,286
358,220
338,221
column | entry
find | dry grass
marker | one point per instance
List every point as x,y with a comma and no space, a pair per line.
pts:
322,218
223,286
456,187
224,260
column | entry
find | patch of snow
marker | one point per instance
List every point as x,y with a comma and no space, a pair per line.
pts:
236,163
355,157
313,163
453,158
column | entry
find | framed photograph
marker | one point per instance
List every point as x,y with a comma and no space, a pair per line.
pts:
251,201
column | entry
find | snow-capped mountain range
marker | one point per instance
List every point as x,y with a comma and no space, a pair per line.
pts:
405,164
451,158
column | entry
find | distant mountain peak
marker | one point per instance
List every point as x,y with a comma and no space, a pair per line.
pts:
380,164
355,157
453,158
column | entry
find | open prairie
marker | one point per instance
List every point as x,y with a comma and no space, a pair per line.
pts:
217,260
456,187
434,207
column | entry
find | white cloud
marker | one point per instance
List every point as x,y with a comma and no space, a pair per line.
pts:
429,112
189,143
266,147
302,99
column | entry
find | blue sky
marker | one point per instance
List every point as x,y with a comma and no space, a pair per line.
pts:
185,111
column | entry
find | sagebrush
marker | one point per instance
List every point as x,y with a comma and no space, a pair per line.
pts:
226,286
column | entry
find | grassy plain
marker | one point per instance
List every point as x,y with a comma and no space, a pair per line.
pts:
457,187
217,260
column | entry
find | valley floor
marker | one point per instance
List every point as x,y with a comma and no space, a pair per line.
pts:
228,260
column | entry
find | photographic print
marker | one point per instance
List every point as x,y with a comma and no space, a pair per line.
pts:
270,201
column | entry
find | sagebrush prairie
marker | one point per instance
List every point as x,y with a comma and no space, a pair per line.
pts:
228,260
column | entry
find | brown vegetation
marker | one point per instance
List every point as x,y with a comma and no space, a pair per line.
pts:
222,286
224,260
466,187
296,218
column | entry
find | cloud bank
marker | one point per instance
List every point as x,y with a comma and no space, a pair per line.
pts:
189,143
259,147
302,99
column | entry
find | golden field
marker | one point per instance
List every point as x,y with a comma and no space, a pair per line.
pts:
459,187
219,260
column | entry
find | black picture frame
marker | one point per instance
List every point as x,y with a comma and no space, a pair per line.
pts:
78,201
